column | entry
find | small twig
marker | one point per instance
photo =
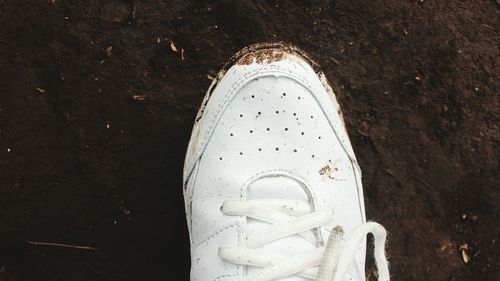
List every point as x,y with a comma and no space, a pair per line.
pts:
335,61
38,243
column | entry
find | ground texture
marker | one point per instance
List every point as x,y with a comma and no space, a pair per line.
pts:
96,108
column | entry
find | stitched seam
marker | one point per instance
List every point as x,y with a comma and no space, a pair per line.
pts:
189,205
308,190
215,234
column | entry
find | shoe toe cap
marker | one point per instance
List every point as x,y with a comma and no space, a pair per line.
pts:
274,99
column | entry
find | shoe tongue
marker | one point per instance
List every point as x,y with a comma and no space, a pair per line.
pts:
279,187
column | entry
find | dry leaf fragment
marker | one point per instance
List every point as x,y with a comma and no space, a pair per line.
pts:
139,97
109,50
158,40
134,12
463,249
40,90
465,257
172,46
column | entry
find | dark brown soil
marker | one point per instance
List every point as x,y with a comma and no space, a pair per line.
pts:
93,156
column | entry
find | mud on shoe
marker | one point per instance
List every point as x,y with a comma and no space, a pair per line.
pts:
271,184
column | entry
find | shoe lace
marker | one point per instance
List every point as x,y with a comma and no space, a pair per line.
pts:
288,217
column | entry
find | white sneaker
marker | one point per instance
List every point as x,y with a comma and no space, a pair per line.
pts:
271,184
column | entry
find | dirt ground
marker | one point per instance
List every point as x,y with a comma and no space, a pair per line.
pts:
96,110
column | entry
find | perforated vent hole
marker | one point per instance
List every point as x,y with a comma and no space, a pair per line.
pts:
249,127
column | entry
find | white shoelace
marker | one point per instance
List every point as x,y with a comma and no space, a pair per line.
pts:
288,217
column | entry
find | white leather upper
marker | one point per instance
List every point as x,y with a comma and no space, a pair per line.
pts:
267,129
